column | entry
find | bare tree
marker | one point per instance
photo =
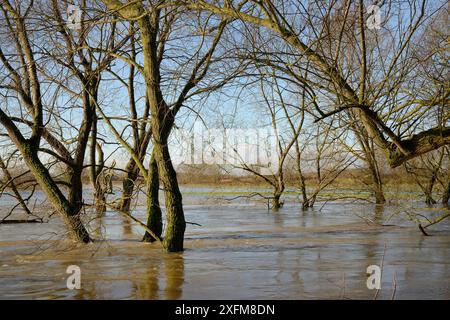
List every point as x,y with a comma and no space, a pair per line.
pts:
304,30
284,116
325,157
21,80
154,22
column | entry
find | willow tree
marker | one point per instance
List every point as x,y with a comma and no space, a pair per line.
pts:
22,88
76,62
265,49
386,118
155,22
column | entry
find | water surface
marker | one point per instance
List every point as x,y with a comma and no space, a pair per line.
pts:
240,251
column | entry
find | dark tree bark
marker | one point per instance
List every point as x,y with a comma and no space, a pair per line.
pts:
128,183
154,216
176,224
377,183
97,173
148,18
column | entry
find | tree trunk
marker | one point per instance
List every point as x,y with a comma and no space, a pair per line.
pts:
176,224
312,200
301,178
377,183
429,188
162,119
76,189
100,201
368,147
96,171
69,212
429,198
154,217
276,205
305,202
132,172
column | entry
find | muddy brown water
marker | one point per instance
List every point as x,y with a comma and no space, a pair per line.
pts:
240,251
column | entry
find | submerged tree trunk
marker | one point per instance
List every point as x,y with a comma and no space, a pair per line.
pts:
428,190
301,177
377,183
162,115
70,211
102,187
278,191
154,216
176,224
368,149
132,172
97,171
70,208
276,204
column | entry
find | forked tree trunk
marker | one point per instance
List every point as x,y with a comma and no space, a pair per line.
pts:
154,216
276,203
69,212
162,118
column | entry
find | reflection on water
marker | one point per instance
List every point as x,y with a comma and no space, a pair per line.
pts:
174,275
239,252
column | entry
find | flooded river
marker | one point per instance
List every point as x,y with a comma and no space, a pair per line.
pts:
240,251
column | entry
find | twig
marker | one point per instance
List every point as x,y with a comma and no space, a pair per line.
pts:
254,194
194,223
21,221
